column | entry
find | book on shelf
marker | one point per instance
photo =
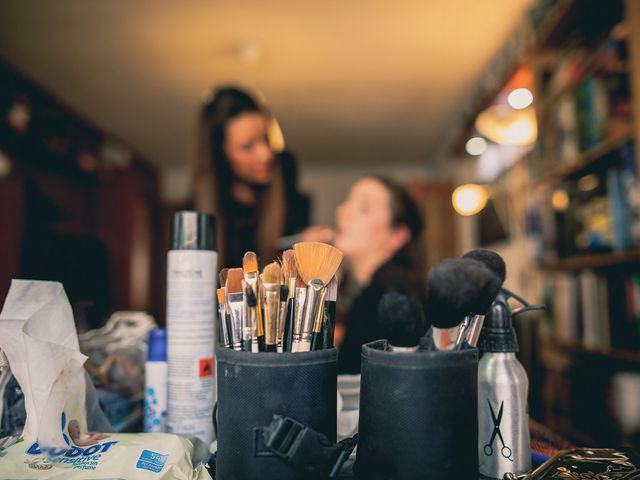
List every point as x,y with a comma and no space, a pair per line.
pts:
597,311
600,211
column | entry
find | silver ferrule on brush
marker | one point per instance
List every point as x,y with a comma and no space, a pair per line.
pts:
463,330
281,319
445,338
251,280
310,311
475,327
300,296
271,304
317,322
237,309
222,318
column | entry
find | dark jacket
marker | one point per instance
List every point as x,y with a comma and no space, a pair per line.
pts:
363,325
242,220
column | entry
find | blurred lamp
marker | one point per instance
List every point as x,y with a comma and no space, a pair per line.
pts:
520,98
469,199
560,200
504,125
476,146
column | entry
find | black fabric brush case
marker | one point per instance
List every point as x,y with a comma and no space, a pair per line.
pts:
252,388
418,414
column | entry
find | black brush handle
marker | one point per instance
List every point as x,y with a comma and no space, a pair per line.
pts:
229,339
316,341
262,347
270,348
287,337
328,323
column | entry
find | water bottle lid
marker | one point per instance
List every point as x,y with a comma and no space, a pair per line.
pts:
193,231
157,351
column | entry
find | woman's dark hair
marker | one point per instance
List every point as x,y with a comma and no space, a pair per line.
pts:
227,104
214,176
404,212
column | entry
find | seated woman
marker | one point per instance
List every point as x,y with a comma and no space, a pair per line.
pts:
378,227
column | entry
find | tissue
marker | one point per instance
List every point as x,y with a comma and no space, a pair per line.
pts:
38,336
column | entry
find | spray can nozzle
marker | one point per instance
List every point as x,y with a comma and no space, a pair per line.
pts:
498,334
526,306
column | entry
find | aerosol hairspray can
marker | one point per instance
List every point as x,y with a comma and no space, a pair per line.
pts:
503,415
192,266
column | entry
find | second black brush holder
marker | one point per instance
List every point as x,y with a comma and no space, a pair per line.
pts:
252,388
418,415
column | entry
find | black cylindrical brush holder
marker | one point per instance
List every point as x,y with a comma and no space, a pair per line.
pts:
252,388
418,414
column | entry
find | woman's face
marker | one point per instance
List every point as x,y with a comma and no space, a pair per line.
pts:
364,221
247,148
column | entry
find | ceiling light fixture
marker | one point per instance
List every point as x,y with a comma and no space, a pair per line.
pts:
469,199
520,98
476,146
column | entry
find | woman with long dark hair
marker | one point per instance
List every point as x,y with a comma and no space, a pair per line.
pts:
378,230
241,179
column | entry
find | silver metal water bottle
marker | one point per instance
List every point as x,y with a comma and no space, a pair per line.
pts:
503,414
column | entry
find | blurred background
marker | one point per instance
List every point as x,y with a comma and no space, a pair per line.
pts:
513,123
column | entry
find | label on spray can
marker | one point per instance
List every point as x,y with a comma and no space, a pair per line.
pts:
191,307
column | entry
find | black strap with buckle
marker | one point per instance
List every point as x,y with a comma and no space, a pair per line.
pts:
306,448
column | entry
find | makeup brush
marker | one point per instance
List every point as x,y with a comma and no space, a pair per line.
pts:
237,310
290,274
329,313
403,321
300,297
250,271
495,263
456,288
271,277
316,330
223,326
222,276
317,263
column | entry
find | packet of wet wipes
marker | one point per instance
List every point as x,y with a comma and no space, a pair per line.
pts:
39,339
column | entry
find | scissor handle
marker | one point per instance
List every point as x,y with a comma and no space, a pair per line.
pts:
488,450
508,456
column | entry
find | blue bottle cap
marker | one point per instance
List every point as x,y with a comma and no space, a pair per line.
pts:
157,345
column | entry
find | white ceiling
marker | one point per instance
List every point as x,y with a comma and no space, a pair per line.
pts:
350,81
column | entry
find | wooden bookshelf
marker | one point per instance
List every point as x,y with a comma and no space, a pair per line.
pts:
570,20
568,381
579,165
593,260
613,359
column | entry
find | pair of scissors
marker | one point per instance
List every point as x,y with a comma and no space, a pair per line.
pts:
488,448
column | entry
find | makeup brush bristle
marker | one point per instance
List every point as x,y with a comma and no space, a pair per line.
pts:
491,260
234,280
250,262
220,294
402,319
316,260
456,288
222,276
289,265
272,273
